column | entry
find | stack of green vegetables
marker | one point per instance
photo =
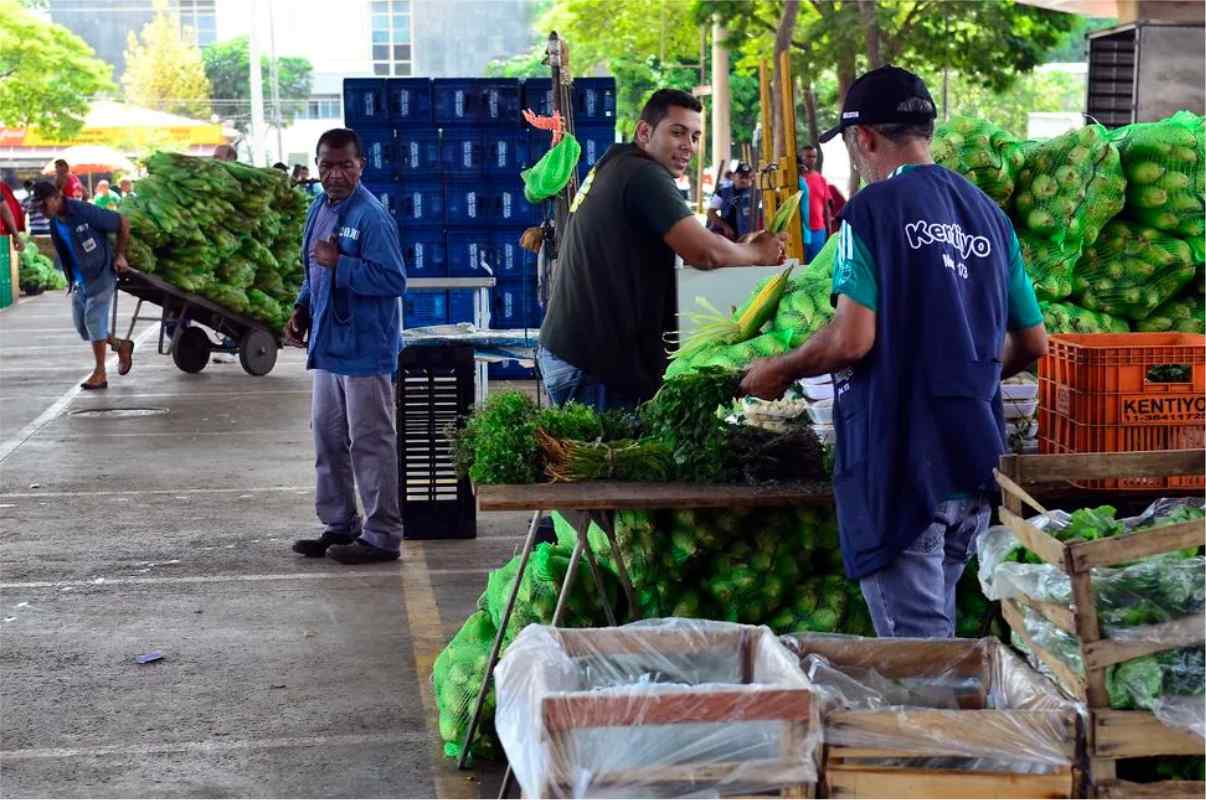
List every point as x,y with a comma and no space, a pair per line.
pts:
223,230
1132,270
986,155
37,273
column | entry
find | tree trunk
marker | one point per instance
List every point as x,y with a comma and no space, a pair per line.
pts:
810,117
868,10
845,77
787,25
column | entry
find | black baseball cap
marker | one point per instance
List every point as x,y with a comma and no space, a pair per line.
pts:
742,168
43,190
885,96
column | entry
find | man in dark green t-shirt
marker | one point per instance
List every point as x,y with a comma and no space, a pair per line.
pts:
613,294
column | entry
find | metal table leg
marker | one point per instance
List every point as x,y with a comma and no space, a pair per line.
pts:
498,638
607,521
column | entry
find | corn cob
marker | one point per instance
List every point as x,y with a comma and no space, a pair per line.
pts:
785,213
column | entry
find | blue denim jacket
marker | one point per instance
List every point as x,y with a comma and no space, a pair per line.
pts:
90,226
355,317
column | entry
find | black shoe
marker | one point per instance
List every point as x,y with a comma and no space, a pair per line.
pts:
545,531
317,548
361,552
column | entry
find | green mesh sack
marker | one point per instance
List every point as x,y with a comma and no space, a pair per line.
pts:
1069,318
1165,167
550,174
822,262
457,677
140,256
1181,315
1052,198
1131,270
536,601
237,272
498,589
986,155
228,297
1049,264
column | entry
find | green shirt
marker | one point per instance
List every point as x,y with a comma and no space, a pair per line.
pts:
854,276
106,201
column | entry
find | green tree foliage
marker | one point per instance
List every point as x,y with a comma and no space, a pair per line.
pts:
163,71
47,74
228,66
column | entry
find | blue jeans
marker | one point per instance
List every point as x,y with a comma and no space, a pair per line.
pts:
816,240
91,314
564,382
915,595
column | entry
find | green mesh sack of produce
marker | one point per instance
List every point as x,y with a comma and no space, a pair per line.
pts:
1070,318
1165,167
264,308
498,589
237,272
228,297
536,601
822,262
1181,315
1131,270
1052,198
1049,264
986,155
806,308
140,256
457,677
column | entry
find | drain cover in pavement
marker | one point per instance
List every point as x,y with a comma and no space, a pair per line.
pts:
115,413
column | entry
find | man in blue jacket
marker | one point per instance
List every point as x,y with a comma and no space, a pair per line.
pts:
80,233
349,303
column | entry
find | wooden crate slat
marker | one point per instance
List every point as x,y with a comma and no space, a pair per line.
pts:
1041,543
1063,617
588,710
1183,632
1071,681
1191,790
890,659
1134,546
961,732
620,641
763,772
619,495
1088,466
872,782
1138,734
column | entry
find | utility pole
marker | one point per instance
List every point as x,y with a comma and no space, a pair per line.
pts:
274,74
721,124
257,91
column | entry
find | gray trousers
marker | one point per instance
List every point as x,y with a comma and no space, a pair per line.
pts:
355,447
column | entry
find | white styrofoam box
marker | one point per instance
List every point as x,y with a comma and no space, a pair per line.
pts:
818,391
1019,391
1020,409
821,412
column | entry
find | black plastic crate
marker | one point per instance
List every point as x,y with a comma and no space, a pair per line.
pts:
434,392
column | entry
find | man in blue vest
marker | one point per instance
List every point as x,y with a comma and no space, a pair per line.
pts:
933,309
349,304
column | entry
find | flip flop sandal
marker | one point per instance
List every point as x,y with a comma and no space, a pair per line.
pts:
91,387
125,357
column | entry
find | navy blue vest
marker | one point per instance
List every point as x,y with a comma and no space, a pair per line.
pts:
919,419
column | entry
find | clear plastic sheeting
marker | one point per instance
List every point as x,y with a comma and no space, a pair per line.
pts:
1171,684
1133,600
971,702
661,708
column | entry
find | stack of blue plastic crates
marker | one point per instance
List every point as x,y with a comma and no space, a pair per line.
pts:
444,157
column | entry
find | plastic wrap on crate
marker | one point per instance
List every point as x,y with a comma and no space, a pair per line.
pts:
623,711
1171,684
1132,599
944,683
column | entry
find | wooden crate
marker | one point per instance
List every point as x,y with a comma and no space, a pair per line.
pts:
1111,734
565,712
895,733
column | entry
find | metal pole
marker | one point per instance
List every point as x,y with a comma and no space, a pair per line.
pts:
257,92
275,77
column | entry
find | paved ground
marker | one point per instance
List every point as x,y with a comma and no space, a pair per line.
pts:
123,534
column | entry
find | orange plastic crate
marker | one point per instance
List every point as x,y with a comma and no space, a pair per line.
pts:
1095,397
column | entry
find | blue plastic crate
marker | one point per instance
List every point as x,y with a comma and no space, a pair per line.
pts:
420,203
423,307
594,101
418,152
510,371
461,152
380,154
468,203
509,206
538,96
424,253
513,305
510,260
409,101
469,253
595,139
461,305
364,103
505,152
387,194
476,101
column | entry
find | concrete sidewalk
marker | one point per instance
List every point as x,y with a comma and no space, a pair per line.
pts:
157,515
